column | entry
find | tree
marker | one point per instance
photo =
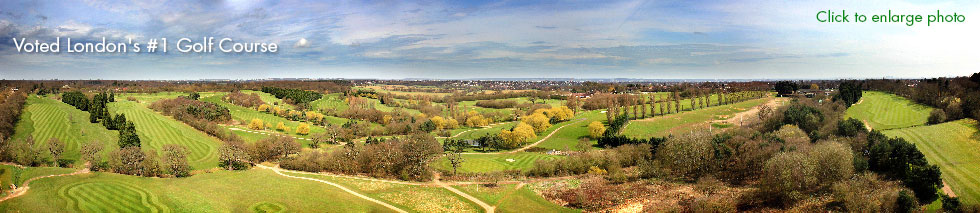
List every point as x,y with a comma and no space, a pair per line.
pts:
897,159
850,127
303,129
233,155
596,129
419,149
784,88
803,116
128,136
455,159
175,160
539,121
256,124
90,152
937,116
280,126
127,160
849,92
439,122
517,136
56,147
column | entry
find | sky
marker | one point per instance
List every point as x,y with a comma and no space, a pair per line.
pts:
740,39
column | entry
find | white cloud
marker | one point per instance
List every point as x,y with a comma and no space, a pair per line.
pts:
302,43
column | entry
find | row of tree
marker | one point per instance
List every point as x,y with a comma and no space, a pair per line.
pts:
10,109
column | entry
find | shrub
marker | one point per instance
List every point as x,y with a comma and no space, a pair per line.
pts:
906,202
689,156
596,129
303,129
245,100
256,124
937,116
788,177
850,127
866,192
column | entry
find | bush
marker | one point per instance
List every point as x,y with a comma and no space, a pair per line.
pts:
688,156
788,177
805,117
937,116
256,124
906,202
866,192
596,129
850,127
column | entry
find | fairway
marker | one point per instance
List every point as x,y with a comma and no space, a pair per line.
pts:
221,191
46,118
955,148
475,163
155,130
887,111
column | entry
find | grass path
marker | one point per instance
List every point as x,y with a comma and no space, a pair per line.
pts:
277,170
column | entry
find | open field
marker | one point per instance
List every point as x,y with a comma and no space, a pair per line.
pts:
408,197
17,176
955,148
887,111
221,191
510,198
476,163
44,118
686,121
155,130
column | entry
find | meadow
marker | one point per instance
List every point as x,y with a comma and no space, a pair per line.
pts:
955,148
888,111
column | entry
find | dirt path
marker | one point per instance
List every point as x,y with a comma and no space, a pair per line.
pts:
486,207
948,190
23,189
277,170
753,112
529,145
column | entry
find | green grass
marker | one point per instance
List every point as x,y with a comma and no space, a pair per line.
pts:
686,121
148,98
45,118
407,197
955,148
221,191
508,198
477,163
269,99
568,137
331,101
887,111
155,130
17,176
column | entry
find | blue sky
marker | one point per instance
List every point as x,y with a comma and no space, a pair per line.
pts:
493,39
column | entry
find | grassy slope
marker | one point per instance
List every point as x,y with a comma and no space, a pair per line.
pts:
887,111
686,121
222,191
507,198
407,197
955,147
155,130
14,175
45,118
569,136
474,163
